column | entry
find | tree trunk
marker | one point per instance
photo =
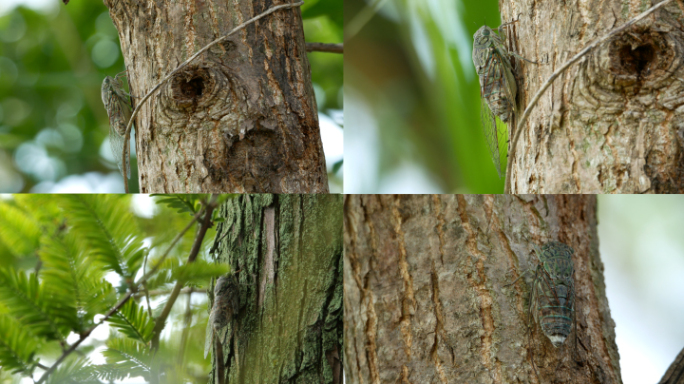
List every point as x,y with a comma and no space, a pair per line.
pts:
288,251
428,294
613,122
240,118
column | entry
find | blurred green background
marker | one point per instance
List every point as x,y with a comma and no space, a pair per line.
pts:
53,126
413,98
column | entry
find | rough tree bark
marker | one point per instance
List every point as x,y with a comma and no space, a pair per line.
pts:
612,123
240,118
426,299
288,250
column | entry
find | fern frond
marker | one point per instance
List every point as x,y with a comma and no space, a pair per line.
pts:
125,357
133,321
18,230
66,273
17,346
106,225
74,371
30,302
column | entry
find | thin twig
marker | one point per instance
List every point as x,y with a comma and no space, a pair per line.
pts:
127,136
323,47
161,320
187,320
557,73
84,335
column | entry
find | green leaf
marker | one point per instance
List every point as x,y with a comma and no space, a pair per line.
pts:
107,227
17,346
133,321
200,271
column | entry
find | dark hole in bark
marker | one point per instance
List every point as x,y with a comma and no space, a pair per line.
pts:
192,88
637,59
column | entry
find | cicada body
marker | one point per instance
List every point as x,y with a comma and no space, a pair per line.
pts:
553,291
119,111
226,305
497,86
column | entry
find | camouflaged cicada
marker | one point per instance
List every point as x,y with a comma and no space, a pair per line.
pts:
497,84
552,297
118,108
226,306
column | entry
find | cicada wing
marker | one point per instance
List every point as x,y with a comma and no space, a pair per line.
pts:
208,337
116,142
491,133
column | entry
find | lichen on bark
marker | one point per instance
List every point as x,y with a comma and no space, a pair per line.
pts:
288,251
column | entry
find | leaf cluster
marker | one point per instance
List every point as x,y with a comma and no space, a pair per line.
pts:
62,251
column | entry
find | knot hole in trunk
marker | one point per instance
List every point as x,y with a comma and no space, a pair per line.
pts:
194,87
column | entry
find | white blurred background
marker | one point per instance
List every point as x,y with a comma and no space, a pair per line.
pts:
641,241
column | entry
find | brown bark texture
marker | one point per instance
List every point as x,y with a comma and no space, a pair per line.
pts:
428,293
675,374
287,254
242,117
611,123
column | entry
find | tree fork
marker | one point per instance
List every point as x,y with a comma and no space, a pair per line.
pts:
242,118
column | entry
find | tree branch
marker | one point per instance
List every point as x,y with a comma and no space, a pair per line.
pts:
127,135
161,320
555,75
675,374
323,47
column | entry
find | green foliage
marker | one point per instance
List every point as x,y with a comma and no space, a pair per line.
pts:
200,271
17,346
133,321
106,228
32,303
56,283
75,371
126,358
182,203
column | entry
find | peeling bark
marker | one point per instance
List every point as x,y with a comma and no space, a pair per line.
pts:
240,118
614,122
428,294
288,250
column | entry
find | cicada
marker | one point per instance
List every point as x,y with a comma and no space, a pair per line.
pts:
118,109
226,305
552,299
497,84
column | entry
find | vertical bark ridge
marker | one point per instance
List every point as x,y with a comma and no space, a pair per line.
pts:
408,302
479,286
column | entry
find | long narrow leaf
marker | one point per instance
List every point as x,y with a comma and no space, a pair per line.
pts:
18,230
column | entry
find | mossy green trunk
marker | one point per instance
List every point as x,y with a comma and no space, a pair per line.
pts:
287,250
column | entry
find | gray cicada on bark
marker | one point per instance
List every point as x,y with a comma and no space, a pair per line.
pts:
119,111
226,305
552,298
497,84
